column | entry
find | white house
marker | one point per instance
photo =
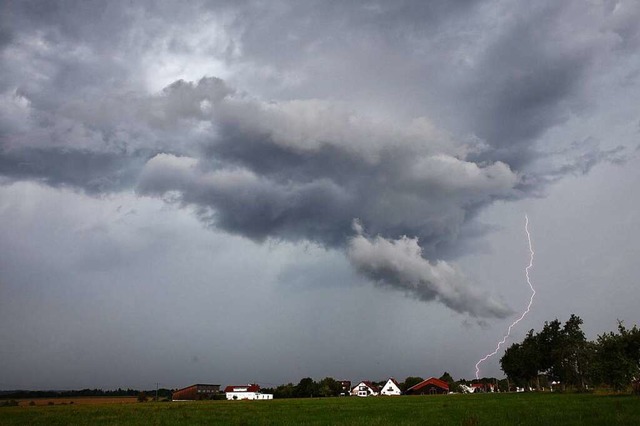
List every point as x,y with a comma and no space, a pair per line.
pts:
391,388
245,392
365,388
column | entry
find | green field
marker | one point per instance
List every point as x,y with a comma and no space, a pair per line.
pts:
488,409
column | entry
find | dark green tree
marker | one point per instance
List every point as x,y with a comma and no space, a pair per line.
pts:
573,355
307,388
521,361
453,386
409,382
549,343
616,361
285,391
329,387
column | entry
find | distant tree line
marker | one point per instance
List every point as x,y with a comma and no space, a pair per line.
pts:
562,354
23,394
307,388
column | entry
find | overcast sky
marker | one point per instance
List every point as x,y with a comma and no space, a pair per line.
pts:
234,192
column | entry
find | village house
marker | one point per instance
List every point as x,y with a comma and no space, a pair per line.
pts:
251,391
391,388
364,389
431,386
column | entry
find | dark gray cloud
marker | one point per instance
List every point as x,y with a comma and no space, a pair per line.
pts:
400,264
411,117
302,170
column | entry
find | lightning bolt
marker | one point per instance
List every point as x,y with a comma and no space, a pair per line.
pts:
533,293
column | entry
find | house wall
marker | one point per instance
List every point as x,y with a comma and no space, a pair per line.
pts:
390,388
248,395
363,390
196,392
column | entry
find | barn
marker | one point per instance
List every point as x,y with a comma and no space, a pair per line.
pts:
196,392
431,386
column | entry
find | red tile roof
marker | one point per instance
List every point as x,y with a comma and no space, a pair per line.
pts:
242,388
430,381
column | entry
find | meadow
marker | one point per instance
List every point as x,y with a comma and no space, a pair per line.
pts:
484,409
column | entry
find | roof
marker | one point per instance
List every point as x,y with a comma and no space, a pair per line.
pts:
369,384
242,388
197,384
430,381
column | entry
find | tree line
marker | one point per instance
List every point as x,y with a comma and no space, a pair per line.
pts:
562,354
25,394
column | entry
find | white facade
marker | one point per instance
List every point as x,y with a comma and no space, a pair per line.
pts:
362,389
248,395
391,388
246,392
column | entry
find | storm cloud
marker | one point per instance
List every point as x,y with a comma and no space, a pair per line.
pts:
304,169
290,135
400,264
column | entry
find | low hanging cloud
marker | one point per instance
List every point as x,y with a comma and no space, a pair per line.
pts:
399,264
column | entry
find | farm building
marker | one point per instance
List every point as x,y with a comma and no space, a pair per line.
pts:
196,392
251,391
431,386
391,388
365,388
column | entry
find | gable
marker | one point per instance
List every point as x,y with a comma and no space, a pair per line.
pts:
391,386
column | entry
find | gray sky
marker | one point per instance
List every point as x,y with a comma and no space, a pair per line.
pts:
263,191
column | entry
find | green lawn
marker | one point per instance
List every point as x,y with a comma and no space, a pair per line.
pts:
490,409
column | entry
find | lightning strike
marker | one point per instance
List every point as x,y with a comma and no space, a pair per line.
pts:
533,293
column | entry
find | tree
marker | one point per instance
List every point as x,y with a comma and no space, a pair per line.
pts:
409,382
453,386
563,353
521,361
285,391
574,354
549,343
329,387
307,388
616,360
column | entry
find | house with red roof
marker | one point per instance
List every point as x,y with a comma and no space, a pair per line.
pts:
365,388
251,391
431,386
391,388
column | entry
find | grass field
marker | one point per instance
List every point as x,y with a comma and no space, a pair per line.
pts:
488,409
